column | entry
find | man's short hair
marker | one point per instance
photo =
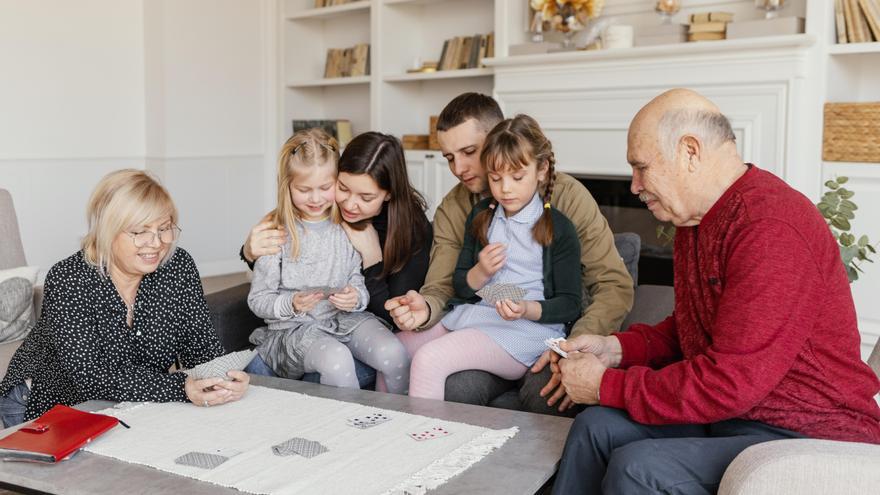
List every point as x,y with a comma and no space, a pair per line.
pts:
712,128
470,106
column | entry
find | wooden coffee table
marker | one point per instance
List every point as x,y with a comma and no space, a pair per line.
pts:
522,465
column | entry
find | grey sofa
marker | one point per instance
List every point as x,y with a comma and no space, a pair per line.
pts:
12,256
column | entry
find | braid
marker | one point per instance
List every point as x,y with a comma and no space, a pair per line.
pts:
543,230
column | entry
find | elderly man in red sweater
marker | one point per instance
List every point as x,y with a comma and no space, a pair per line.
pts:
762,345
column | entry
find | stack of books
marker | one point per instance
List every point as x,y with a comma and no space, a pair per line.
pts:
348,62
858,21
466,52
415,141
709,26
330,3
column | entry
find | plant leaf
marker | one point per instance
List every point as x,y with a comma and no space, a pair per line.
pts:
841,223
846,194
842,179
863,241
831,185
849,205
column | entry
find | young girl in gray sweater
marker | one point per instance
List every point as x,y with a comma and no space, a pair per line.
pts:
312,294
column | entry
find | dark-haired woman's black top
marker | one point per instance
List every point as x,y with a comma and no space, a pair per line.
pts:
410,277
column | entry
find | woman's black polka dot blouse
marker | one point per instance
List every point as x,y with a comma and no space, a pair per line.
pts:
81,348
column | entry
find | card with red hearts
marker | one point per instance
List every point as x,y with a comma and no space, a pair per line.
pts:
430,434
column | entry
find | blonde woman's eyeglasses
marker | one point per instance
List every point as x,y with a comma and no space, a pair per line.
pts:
166,235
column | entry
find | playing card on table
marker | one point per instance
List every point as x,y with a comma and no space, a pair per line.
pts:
554,344
498,292
217,368
368,421
430,434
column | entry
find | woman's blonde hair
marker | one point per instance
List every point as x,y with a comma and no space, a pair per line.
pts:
306,149
123,200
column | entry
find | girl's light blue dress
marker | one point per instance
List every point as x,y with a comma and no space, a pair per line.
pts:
522,339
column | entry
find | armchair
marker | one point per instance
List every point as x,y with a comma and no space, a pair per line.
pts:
12,256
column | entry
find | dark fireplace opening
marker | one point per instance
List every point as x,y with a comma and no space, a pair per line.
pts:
625,213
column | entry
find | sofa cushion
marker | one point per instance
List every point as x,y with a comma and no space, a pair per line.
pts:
17,302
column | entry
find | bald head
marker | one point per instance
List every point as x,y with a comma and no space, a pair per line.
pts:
683,154
679,112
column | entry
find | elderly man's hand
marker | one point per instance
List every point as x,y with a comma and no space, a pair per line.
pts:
607,349
581,376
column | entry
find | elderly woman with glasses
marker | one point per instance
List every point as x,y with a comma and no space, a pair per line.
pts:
119,313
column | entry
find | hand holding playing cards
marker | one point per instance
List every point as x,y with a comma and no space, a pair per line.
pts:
345,300
607,349
491,259
510,310
303,302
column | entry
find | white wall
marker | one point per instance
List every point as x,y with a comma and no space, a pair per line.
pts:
177,87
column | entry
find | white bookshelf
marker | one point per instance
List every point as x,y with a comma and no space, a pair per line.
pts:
327,12
401,34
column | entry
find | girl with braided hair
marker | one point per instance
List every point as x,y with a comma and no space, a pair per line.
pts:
513,238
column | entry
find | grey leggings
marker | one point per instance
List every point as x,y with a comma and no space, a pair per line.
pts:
371,343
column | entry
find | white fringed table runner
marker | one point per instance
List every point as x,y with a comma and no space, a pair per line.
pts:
378,460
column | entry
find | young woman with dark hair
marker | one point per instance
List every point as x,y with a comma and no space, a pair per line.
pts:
384,217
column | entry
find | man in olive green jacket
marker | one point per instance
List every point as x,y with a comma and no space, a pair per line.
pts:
608,289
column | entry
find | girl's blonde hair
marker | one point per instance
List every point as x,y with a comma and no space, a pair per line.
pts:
514,144
309,148
123,200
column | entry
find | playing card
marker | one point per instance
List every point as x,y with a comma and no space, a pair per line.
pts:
435,432
554,344
368,421
201,460
325,290
498,292
299,446
217,368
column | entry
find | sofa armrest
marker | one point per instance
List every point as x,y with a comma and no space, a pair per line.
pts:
651,305
233,320
803,466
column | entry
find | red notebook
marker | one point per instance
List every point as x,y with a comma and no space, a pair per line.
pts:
54,436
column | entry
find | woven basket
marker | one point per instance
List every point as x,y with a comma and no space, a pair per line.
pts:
852,132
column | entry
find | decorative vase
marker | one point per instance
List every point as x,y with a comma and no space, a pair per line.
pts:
667,8
771,7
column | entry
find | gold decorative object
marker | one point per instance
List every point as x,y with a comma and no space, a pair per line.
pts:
567,16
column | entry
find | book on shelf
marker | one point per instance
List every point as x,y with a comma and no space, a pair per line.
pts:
871,11
330,3
415,141
466,52
705,36
339,129
708,27
711,17
55,436
348,62
840,21
857,28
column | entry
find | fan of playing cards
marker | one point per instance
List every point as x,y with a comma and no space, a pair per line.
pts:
498,292
217,368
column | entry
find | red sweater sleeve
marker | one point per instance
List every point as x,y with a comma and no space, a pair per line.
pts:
646,345
765,311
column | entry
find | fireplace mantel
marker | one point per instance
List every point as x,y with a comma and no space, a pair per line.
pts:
585,100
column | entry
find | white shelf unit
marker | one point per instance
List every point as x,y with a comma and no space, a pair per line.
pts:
401,33
852,74
306,34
